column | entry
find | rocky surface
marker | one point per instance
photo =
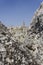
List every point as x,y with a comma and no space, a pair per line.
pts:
28,52
19,33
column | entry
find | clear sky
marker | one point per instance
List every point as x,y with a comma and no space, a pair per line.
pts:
14,12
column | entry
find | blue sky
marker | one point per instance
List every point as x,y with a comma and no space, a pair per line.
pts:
14,12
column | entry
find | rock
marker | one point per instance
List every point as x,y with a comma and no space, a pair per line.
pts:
34,40
19,33
37,20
